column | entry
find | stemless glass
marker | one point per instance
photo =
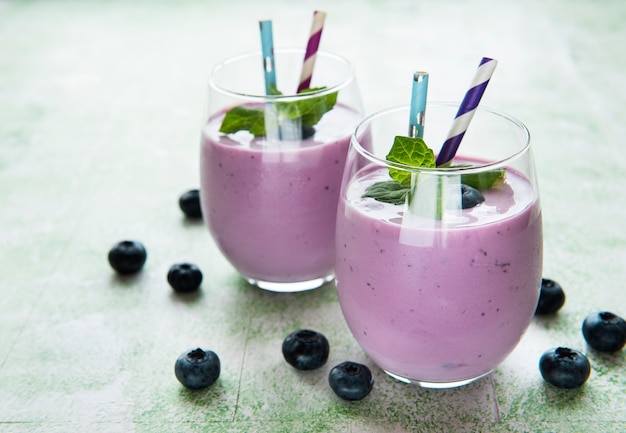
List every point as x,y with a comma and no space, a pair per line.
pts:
269,196
437,294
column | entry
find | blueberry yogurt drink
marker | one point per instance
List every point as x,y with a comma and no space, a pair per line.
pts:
271,169
438,279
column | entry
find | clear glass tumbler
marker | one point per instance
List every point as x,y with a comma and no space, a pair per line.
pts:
438,288
271,166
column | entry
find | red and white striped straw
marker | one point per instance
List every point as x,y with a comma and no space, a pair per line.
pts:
466,111
311,50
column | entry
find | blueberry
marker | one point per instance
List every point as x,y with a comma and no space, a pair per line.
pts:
184,277
307,131
551,297
197,368
470,197
189,203
605,331
564,368
351,380
306,349
127,257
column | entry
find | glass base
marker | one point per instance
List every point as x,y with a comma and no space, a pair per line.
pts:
436,385
291,286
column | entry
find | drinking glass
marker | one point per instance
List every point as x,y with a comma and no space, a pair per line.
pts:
436,291
269,193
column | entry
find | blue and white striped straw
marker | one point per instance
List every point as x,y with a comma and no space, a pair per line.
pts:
466,111
418,104
267,46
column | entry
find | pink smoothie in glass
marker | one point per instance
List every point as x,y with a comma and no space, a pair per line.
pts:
272,208
439,301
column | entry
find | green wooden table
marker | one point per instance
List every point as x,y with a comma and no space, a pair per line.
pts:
101,105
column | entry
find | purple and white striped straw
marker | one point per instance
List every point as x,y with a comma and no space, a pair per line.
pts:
311,50
466,111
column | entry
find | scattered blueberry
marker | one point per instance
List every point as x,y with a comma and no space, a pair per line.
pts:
470,197
127,257
306,349
189,203
551,297
184,277
197,368
351,380
564,368
605,331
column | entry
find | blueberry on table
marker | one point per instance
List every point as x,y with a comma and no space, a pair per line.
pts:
189,203
551,297
184,277
305,349
605,331
470,197
127,257
564,367
197,368
351,380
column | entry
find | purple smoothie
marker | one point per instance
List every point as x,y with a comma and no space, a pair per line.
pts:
272,208
439,301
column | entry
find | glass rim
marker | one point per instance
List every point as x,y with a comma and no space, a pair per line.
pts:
350,76
499,163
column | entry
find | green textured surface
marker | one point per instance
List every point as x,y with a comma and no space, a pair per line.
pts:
101,104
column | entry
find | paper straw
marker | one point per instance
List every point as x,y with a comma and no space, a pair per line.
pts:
267,45
466,111
418,104
311,50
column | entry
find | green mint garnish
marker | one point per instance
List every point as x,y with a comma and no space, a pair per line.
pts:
415,153
412,152
308,111
244,118
483,180
274,90
391,191
408,151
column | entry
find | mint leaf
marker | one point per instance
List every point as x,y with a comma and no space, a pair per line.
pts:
309,111
409,151
415,153
274,90
483,180
244,118
312,110
388,192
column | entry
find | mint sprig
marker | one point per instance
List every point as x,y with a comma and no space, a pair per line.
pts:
309,111
242,118
414,152
390,191
411,151
482,180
